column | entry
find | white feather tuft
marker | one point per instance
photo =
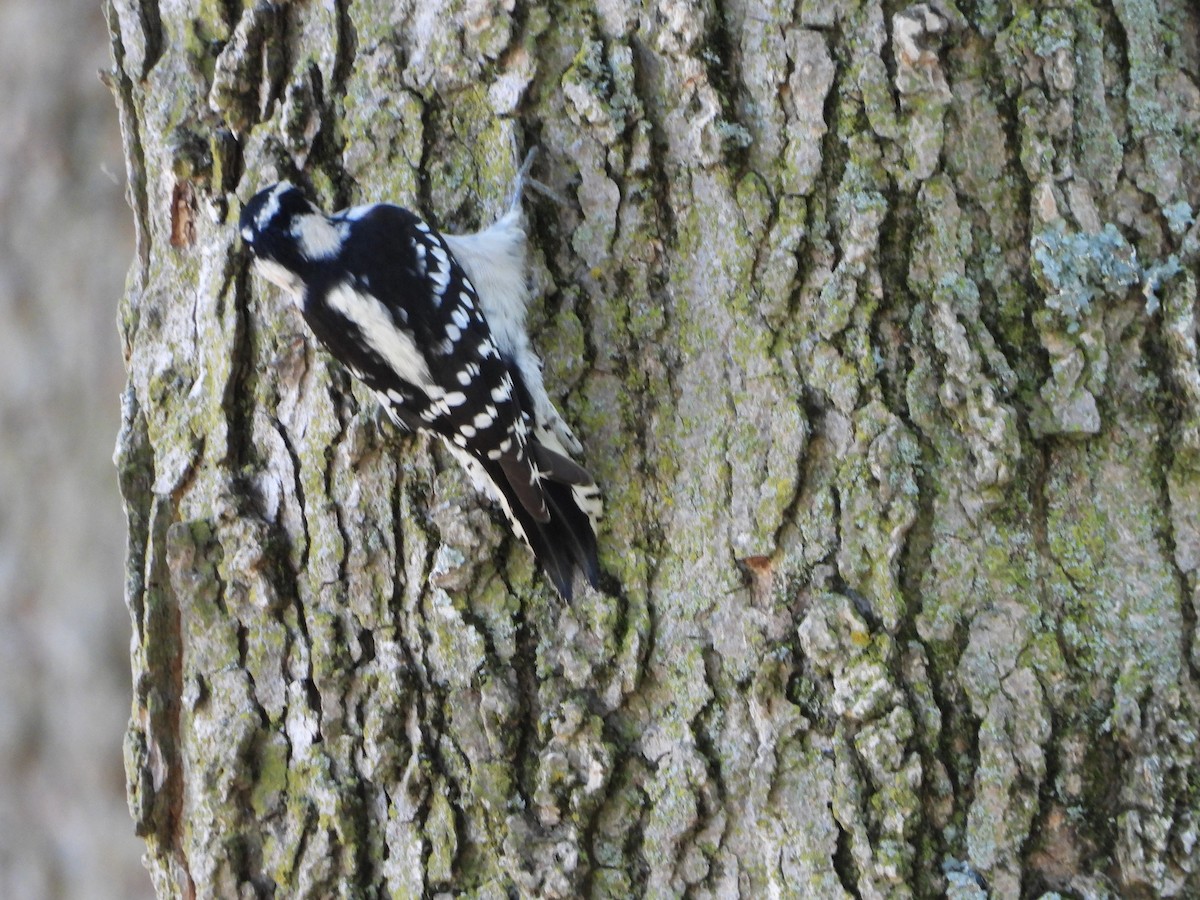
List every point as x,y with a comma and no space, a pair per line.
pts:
494,260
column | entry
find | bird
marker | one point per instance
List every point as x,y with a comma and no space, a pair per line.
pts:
434,324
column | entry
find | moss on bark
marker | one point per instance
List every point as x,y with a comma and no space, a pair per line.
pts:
849,309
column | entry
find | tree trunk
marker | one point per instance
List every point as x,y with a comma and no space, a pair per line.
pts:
879,328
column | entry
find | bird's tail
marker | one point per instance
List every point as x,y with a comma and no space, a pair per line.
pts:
564,540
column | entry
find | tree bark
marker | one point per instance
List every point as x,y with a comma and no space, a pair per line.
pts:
878,324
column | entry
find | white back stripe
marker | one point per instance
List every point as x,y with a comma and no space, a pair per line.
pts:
381,332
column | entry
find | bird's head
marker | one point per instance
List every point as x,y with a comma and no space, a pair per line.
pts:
288,234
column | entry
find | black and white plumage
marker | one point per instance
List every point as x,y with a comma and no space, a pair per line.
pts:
435,325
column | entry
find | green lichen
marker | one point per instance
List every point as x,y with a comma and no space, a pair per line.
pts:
599,85
442,837
205,34
477,159
1112,601
381,131
1099,154
271,776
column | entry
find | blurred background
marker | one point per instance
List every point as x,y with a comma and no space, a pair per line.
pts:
66,240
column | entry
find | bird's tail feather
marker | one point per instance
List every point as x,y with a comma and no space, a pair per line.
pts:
558,467
566,540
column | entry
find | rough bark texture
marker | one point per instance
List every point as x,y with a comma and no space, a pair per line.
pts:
878,323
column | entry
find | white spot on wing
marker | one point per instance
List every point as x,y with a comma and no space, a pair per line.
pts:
441,281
